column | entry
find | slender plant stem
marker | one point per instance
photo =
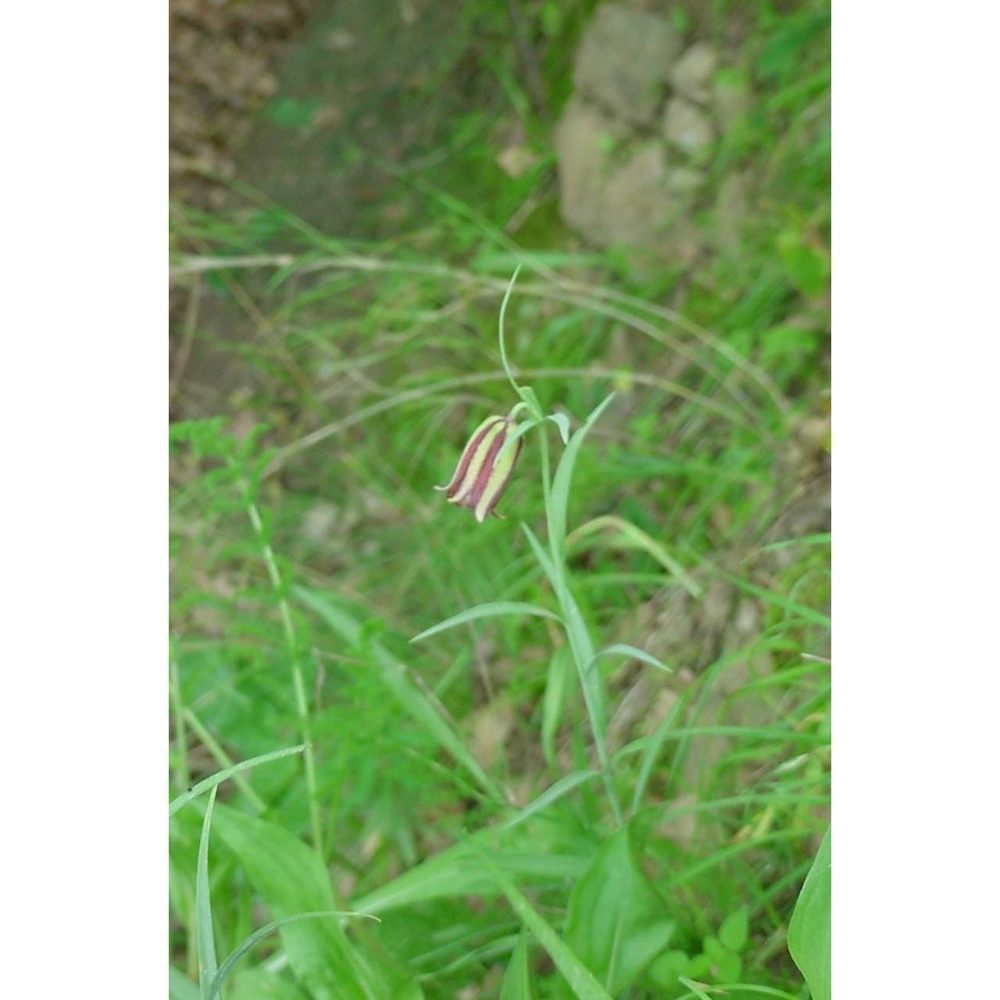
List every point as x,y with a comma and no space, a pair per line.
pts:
503,349
301,702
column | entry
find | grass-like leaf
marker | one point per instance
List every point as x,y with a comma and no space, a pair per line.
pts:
637,538
564,475
695,988
226,967
216,779
551,794
492,609
558,685
580,979
544,559
624,649
456,871
401,686
516,983
207,962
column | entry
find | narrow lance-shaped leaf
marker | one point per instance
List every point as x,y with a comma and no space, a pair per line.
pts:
492,609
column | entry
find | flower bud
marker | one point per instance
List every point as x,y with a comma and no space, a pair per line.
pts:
482,472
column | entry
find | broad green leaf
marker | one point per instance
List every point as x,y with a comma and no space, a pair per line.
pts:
207,962
402,687
492,609
229,772
580,979
733,932
564,475
516,983
616,922
292,880
809,941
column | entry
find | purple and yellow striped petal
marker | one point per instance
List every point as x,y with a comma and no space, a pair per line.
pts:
467,456
484,469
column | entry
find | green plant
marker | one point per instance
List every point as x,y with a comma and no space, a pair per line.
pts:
480,792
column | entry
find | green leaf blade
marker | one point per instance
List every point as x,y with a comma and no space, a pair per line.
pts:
809,937
492,609
292,881
616,922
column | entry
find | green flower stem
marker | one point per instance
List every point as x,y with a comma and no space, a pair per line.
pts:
503,349
580,643
301,703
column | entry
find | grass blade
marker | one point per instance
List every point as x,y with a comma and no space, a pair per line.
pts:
492,609
456,871
216,779
551,794
207,962
413,700
564,476
637,538
624,649
516,981
259,936
544,560
581,980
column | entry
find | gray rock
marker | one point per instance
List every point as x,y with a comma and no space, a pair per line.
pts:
607,197
692,75
637,205
687,127
625,57
583,138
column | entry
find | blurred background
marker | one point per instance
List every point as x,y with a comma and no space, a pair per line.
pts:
352,186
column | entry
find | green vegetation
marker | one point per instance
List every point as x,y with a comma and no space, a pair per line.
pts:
582,750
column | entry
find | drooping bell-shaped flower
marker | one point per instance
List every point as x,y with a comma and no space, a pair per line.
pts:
484,468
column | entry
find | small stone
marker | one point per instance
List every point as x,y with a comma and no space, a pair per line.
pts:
582,138
692,75
624,59
687,127
637,206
